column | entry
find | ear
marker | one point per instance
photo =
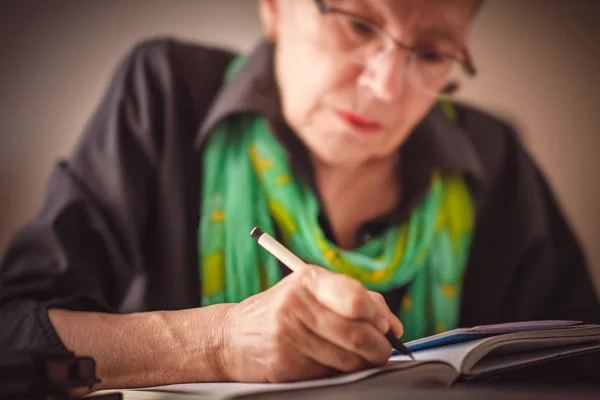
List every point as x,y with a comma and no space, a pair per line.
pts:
269,13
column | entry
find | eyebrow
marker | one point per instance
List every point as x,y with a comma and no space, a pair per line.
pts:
437,32
360,9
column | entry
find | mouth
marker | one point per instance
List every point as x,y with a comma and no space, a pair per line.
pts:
359,123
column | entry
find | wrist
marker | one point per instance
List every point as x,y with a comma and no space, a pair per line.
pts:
198,342
223,319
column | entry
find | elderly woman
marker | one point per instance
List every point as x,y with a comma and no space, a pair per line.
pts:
338,136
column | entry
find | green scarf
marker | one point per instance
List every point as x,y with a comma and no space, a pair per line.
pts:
248,182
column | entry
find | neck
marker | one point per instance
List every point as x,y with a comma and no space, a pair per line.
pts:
355,193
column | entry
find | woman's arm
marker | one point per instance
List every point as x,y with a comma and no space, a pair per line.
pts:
147,349
311,324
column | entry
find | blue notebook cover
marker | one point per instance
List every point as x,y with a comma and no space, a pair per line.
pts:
466,334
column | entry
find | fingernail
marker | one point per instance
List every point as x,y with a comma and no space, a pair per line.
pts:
383,324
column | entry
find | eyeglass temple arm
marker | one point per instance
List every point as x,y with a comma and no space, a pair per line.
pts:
321,6
468,62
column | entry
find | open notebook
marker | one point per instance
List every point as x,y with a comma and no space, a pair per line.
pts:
440,360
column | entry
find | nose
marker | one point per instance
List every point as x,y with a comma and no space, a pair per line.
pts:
384,75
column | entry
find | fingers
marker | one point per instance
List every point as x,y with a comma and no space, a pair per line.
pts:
326,353
344,296
293,366
354,337
395,324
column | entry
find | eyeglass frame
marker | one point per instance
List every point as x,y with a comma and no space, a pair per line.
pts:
466,62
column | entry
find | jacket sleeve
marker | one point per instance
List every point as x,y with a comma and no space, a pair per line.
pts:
84,249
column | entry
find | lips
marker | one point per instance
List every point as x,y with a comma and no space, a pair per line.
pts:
360,124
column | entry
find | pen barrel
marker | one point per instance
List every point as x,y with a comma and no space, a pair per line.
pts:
288,258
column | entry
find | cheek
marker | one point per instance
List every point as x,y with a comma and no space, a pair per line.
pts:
405,116
411,111
306,79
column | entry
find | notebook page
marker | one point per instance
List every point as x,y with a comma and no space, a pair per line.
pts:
131,394
529,342
496,363
524,326
231,389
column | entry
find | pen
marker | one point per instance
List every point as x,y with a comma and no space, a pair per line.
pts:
294,263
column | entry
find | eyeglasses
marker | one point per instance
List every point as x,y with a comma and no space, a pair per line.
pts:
436,69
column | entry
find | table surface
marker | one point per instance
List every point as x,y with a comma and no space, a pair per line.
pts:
456,393
474,392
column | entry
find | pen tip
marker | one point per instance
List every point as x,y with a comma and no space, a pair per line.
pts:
256,233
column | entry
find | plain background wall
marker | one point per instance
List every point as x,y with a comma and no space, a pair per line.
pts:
538,67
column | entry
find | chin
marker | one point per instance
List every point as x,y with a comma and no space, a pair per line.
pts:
337,147
342,155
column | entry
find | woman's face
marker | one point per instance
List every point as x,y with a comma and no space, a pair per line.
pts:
348,112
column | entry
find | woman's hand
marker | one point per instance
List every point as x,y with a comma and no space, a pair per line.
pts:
311,324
